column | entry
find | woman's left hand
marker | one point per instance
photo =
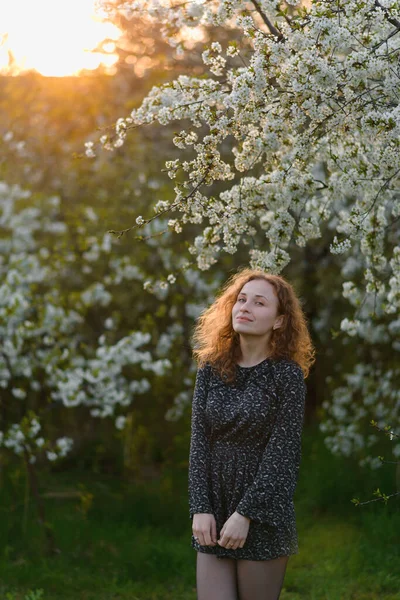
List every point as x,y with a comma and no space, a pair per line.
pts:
234,532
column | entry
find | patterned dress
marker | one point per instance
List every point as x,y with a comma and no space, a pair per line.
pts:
245,452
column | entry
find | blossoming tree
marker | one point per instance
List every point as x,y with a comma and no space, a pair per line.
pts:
293,135
48,362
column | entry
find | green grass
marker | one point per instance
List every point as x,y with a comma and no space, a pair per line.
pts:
134,542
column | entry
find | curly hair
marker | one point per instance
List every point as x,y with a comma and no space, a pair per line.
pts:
215,341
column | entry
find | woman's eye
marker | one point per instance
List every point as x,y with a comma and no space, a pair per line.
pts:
244,300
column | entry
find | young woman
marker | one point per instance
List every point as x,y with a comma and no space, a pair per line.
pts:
253,352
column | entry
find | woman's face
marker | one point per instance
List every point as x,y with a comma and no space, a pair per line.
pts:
255,309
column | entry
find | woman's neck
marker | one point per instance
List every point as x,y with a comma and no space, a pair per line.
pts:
250,356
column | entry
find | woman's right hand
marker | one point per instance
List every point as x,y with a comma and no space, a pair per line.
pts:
204,527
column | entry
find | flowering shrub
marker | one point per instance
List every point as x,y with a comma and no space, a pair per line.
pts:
45,353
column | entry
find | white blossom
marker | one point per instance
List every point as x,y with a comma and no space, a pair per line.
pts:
120,422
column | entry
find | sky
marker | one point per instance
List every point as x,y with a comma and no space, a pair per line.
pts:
54,37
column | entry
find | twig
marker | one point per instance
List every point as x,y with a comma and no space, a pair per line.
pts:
268,23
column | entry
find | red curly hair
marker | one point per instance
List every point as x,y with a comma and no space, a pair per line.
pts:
215,341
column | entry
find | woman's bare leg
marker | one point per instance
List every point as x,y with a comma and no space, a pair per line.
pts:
215,577
261,579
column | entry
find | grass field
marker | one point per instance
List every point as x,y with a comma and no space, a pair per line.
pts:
133,542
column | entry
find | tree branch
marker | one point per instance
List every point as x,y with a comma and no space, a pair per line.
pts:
391,20
268,23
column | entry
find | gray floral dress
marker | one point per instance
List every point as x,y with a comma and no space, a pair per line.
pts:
245,452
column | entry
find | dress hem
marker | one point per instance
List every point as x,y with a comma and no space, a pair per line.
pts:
248,556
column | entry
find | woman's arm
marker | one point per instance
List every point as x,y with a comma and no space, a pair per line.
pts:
268,499
199,455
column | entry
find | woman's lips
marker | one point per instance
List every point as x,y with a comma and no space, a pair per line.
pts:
243,319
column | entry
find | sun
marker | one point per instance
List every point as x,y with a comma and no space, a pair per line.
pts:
53,37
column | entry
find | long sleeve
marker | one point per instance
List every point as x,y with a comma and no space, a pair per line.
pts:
199,455
269,499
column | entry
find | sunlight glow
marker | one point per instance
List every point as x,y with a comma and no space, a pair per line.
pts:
53,37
